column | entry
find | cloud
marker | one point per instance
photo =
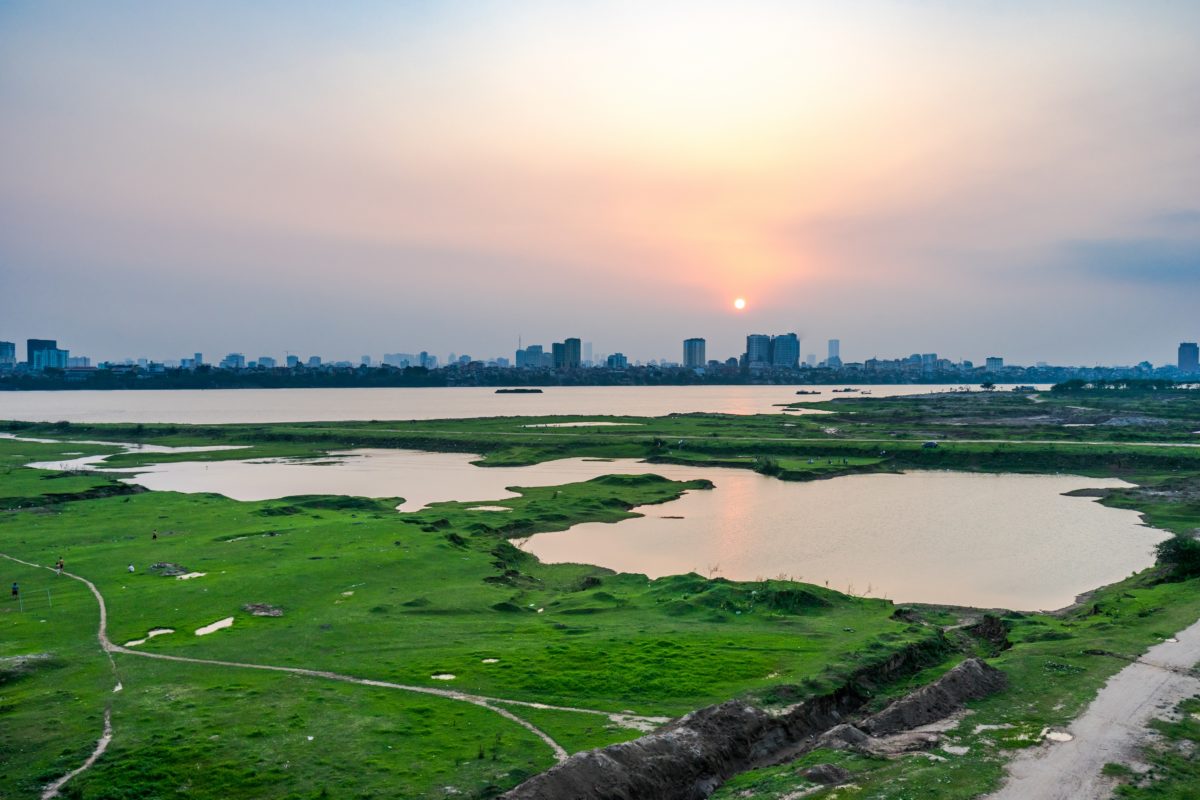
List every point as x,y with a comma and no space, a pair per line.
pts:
1155,261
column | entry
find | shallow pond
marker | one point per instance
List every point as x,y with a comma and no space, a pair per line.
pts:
940,537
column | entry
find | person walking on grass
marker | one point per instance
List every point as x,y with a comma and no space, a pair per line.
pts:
58,568
16,591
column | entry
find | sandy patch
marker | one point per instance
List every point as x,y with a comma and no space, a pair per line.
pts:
188,576
216,626
489,508
443,676
150,635
491,661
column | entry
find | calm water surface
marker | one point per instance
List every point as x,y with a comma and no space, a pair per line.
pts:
941,537
317,405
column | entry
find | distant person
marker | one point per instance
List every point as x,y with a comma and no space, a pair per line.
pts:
131,567
58,568
16,590
155,536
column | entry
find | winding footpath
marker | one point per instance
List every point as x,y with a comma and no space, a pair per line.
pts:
1111,728
493,704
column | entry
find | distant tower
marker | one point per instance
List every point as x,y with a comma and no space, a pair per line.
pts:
1189,357
693,353
834,358
758,350
785,351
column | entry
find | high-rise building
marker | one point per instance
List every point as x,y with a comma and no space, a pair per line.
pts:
366,361
532,357
617,361
834,359
993,363
574,353
198,359
313,362
567,354
8,355
266,362
587,354
233,361
50,358
785,351
293,361
758,350
1189,357
33,346
693,353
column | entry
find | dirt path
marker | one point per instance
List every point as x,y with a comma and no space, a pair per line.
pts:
1111,728
493,704
52,789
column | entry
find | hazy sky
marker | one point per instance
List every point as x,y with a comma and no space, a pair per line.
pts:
1017,178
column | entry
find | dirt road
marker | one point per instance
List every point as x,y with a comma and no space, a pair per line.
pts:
1111,728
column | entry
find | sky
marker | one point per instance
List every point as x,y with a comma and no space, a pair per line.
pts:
969,178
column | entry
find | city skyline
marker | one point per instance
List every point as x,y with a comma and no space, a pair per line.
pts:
772,351
978,178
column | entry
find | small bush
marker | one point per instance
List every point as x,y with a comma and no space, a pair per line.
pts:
1181,554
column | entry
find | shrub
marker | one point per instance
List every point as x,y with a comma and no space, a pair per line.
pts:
1181,554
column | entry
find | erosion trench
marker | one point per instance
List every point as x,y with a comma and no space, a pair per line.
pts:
689,758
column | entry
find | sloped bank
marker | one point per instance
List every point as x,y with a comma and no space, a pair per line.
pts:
692,756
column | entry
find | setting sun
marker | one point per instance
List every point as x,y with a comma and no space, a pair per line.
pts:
740,303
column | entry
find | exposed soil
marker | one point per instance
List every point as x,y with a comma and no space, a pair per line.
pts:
1068,766
262,610
689,758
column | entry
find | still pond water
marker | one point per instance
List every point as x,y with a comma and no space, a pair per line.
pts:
1010,541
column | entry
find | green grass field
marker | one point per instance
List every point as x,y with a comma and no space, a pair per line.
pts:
367,593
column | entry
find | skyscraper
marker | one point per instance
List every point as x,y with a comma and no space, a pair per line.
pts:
693,353
758,350
1189,357
567,354
785,351
8,354
834,359
34,346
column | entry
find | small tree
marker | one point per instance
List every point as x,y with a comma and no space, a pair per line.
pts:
1181,554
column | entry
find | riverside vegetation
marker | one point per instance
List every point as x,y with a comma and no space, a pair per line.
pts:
410,599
